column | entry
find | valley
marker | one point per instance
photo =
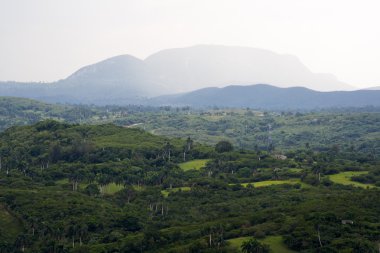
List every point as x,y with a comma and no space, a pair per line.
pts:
189,126
104,188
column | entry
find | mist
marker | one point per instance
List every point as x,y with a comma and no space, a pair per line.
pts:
46,40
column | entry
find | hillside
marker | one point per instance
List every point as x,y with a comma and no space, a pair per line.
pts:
81,188
353,128
270,97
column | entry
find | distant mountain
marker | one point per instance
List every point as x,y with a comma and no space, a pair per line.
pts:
373,88
270,97
118,80
123,76
186,69
128,80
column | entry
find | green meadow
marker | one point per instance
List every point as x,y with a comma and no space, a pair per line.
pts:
345,179
10,227
274,182
276,243
166,192
112,188
194,164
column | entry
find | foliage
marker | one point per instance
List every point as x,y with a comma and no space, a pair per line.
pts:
254,246
105,188
223,146
194,164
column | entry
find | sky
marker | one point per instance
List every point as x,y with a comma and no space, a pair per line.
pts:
47,40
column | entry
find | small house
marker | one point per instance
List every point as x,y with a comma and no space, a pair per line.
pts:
348,222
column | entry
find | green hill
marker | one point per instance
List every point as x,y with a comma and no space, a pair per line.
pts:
105,188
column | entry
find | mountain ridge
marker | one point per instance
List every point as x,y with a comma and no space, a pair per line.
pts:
126,79
266,96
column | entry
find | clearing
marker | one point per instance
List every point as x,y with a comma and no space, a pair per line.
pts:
274,182
194,164
112,188
10,227
345,178
166,192
276,243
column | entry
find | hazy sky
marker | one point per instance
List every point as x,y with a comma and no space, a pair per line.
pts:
47,40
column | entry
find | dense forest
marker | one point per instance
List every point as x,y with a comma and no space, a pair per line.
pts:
106,188
345,128
119,135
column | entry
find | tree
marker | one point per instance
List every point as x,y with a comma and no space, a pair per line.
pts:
223,146
130,223
317,171
82,231
127,194
189,144
254,246
187,147
275,173
92,190
168,149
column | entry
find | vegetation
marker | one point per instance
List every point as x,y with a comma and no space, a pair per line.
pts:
339,129
10,226
254,246
346,178
274,182
112,188
166,192
194,164
107,188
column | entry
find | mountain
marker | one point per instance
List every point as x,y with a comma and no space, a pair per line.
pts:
126,79
270,97
185,69
119,77
373,88
117,80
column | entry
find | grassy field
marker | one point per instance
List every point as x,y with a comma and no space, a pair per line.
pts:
166,192
10,227
65,181
109,189
112,188
275,242
345,178
236,242
62,181
194,164
274,182
138,187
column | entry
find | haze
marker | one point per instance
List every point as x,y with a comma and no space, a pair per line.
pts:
47,40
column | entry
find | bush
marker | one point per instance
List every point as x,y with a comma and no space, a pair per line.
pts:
259,234
223,146
92,190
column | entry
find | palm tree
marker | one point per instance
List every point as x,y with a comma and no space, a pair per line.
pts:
275,173
254,246
82,232
317,171
189,144
167,149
